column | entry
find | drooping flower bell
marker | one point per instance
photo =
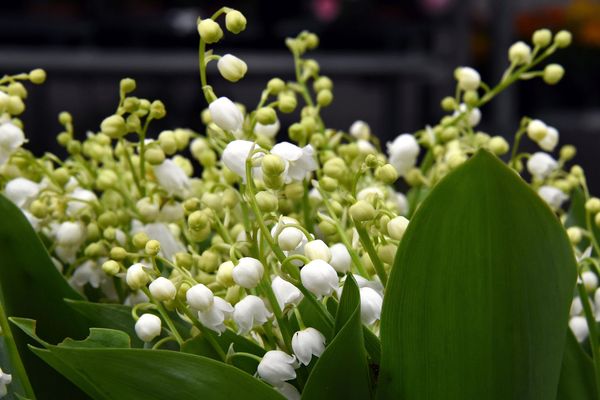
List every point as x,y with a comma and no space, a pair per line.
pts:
306,343
226,115
147,327
236,153
403,153
276,367
299,161
250,312
248,272
286,293
319,277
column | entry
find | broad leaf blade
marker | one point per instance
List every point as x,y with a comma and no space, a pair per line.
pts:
577,373
477,302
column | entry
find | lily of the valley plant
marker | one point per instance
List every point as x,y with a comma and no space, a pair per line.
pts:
224,260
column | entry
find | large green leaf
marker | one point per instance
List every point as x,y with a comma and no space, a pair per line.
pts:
477,302
577,373
32,287
342,371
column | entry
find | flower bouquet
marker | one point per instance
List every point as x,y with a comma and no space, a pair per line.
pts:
219,263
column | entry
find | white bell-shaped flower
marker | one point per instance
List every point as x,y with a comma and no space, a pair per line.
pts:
5,379
147,327
473,116
403,153
288,391
590,280
11,138
553,196
199,297
319,277
299,161
215,316
21,191
90,272
162,289
540,165
269,130
396,227
579,327
250,312
549,142
306,343
286,293
226,114
317,250
136,276
290,238
79,198
248,272
340,258
70,234
276,367
360,130
172,178
370,305
468,78
236,153
232,68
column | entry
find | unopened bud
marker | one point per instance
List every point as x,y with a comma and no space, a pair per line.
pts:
235,22
387,174
553,73
111,267
127,85
113,126
324,98
210,31
362,211
139,240
37,76
266,116
593,205
542,37
267,202
563,39
272,165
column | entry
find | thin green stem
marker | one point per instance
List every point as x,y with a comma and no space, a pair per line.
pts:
365,240
515,149
593,332
143,153
130,165
166,318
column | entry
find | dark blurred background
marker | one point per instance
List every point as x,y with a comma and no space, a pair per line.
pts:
391,61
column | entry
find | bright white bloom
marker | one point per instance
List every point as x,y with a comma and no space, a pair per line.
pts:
540,165
136,276
136,297
88,272
319,277
403,153
250,312
269,131
590,280
214,317
401,203
11,138
226,114
162,289
276,367
317,250
537,129
5,379
290,238
248,272
288,391
147,327
579,327
21,191
360,130
370,305
236,153
299,161
468,78
171,177
396,227
286,293
306,343
549,141
365,147
79,199
70,234
474,116
553,196
340,258
232,68
576,307
199,297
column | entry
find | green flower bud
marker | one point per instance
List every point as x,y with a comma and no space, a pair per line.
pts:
106,219
328,184
553,73
38,209
327,227
113,126
225,274
272,165
232,68
542,37
387,174
296,132
267,202
317,140
213,201
94,250
109,233
17,89
448,104
266,116
208,158
362,211
131,104
577,171
15,105
61,175
309,124
311,40
387,253
235,22
182,138
210,31
324,98
322,83
152,247
139,240
119,253
574,234
275,86
192,204
449,133
199,235
294,190
498,145
335,168
597,220
567,152
127,85
519,53
414,177
273,182
167,142
311,67
198,220
184,260
106,179
593,205
155,155
133,123
471,98
92,231
563,39
111,267
37,76
74,147
157,109
287,102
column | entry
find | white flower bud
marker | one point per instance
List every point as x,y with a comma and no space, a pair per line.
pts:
306,343
248,272
300,161
136,276
553,73
549,141
360,130
226,114
579,327
396,227
319,277
276,367
171,177
290,238
70,234
286,293
370,305
199,297
590,281
576,307
162,289
542,37
553,196
468,78
541,165
236,153
317,250
147,327
5,379
519,53
269,130
537,130
11,138
250,312
403,153
340,258
21,191
232,68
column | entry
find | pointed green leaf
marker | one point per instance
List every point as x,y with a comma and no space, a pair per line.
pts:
342,371
576,374
100,338
477,302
